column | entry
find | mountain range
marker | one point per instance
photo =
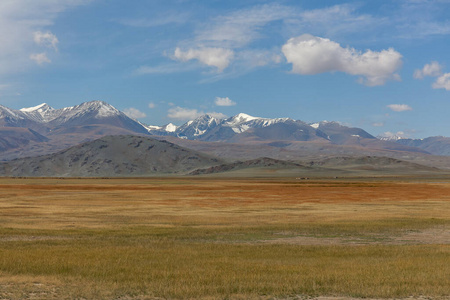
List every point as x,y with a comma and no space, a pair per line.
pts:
42,130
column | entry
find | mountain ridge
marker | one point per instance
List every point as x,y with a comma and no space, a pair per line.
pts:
66,127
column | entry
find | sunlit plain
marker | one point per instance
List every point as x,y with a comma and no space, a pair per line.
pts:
224,238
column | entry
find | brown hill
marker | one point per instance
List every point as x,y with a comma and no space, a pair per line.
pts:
112,156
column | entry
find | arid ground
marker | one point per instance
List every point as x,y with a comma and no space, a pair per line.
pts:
221,238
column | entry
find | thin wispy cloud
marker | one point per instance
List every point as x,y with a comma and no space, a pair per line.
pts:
240,28
157,20
168,68
23,34
184,114
46,39
399,107
40,58
333,21
418,19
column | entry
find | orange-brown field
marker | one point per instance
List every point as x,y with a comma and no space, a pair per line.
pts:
224,238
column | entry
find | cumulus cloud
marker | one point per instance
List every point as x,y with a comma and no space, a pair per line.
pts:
134,113
399,107
313,55
442,82
40,58
46,39
224,101
183,114
210,56
378,124
151,105
432,69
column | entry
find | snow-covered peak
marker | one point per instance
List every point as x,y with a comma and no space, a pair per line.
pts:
7,112
202,121
39,108
392,137
170,127
198,127
316,125
241,118
102,108
40,113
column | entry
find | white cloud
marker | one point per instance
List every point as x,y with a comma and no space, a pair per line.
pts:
442,82
313,55
180,113
46,39
224,101
19,21
151,105
432,69
134,113
378,124
40,58
214,57
183,114
399,107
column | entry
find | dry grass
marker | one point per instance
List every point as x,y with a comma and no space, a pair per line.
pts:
218,238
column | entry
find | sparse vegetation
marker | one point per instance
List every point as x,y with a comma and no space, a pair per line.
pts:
219,238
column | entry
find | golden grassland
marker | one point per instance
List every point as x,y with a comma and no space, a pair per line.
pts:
182,238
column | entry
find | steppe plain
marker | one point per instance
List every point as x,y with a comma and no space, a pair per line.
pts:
225,238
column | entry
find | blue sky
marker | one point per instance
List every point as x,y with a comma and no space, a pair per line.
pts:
380,65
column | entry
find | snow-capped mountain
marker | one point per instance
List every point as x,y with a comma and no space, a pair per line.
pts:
209,128
87,113
92,112
244,127
242,122
43,113
197,128
65,127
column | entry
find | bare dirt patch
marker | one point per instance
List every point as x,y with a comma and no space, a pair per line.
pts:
438,236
